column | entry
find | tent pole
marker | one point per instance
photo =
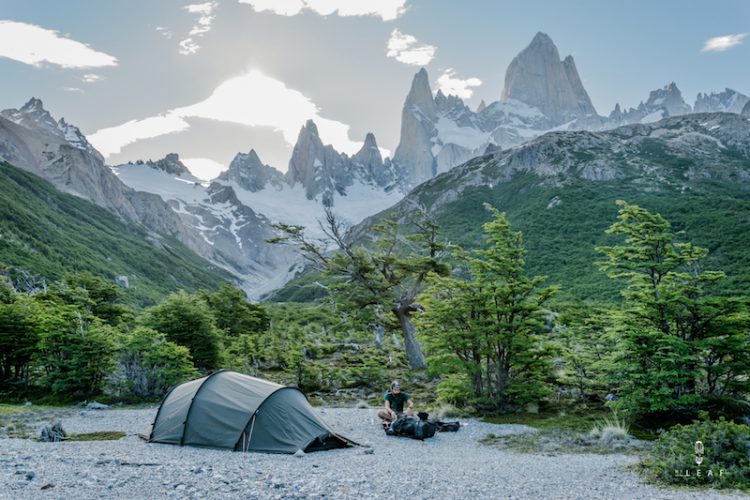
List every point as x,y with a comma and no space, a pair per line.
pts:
250,437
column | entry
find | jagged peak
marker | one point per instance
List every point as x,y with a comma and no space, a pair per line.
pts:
253,157
370,140
33,105
310,127
170,164
482,106
542,39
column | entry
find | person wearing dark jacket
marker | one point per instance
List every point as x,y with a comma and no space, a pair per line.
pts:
394,405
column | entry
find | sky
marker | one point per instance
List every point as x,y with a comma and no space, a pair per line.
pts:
209,79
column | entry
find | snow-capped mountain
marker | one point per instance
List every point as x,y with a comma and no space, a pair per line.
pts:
234,213
542,93
32,115
661,103
729,101
325,173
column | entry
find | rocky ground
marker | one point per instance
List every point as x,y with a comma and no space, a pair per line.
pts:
451,465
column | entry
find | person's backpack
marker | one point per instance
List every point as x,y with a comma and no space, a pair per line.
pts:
424,429
447,426
416,428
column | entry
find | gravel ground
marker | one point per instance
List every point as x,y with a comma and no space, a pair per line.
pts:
451,465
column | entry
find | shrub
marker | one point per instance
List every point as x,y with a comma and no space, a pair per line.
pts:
149,365
187,320
726,454
610,431
75,352
455,389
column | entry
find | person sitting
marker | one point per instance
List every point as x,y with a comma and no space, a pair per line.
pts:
394,405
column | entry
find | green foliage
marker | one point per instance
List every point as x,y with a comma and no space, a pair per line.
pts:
188,321
148,365
560,239
75,351
19,333
679,344
234,314
455,389
50,234
583,338
381,283
490,326
672,459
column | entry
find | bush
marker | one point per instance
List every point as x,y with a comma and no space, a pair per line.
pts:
75,352
726,454
149,365
187,320
455,390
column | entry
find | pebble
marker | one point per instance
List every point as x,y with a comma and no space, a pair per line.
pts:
450,465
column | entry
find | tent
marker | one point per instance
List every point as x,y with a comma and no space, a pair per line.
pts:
242,413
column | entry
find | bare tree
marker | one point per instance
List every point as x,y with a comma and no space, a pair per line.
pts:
386,277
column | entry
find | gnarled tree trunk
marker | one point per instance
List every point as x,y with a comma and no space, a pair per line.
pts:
413,351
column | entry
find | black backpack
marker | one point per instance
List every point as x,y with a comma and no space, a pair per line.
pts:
416,428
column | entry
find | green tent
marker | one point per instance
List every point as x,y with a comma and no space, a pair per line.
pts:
237,412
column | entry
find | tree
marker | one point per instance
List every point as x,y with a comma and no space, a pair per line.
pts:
19,333
187,320
234,314
582,333
679,343
148,365
385,279
490,325
92,293
75,351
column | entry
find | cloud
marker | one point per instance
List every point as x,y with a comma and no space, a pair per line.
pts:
387,10
203,168
91,78
449,83
722,43
109,141
252,99
34,45
72,89
202,26
165,32
408,50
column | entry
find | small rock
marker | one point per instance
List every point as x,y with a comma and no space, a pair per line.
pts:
47,486
299,453
368,451
180,487
96,406
30,475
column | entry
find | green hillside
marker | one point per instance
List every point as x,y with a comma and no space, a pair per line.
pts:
560,191
49,233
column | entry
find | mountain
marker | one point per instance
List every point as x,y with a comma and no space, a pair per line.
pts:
661,103
538,78
250,174
323,172
541,93
729,101
56,151
235,212
560,190
48,234
236,233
